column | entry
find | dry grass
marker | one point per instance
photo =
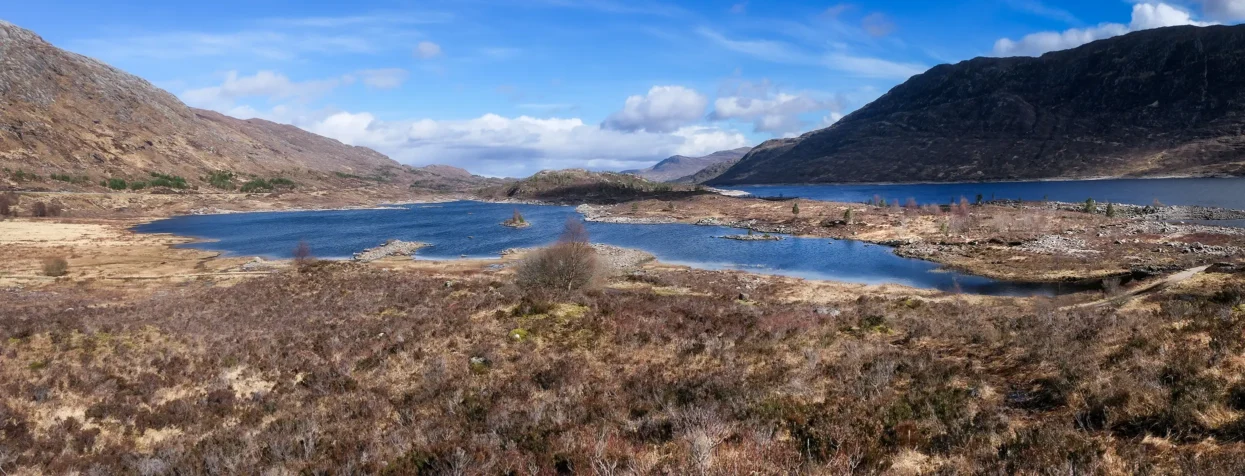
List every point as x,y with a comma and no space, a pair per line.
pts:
342,368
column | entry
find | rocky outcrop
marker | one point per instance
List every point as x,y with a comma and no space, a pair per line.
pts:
761,237
1156,102
390,248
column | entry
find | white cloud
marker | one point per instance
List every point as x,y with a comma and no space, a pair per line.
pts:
841,60
270,45
773,51
1145,16
518,146
868,67
281,39
388,78
1038,8
1224,10
427,50
877,25
266,84
769,110
663,109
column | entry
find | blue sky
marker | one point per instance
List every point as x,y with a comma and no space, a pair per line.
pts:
509,87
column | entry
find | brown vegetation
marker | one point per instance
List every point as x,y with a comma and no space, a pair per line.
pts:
346,368
55,266
302,254
42,209
8,200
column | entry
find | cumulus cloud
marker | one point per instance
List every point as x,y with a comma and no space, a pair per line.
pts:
1145,16
771,111
388,78
1224,10
663,109
427,50
497,145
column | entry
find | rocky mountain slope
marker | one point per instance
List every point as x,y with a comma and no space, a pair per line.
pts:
70,122
680,166
1151,103
708,173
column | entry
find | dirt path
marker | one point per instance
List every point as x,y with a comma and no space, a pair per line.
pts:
1170,280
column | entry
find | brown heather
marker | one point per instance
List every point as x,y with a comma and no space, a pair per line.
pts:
343,369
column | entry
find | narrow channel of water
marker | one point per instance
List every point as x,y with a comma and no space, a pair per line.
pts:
472,229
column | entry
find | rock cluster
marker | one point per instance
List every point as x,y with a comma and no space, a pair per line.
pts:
763,237
1058,244
602,215
390,248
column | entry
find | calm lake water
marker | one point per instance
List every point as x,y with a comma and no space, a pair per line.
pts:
473,229
1211,192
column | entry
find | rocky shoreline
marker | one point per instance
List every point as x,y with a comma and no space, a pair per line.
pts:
1124,210
601,214
762,237
390,248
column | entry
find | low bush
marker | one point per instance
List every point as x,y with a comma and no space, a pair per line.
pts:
262,185
8,200
164,180
74,179
114,183
55,267
221,179
24,176
302,254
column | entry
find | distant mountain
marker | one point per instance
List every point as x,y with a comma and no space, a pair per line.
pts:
1150,103
446,178
706,174
681,166
575,186
67,115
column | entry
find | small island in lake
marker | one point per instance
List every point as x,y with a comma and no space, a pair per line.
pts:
752,237
516,221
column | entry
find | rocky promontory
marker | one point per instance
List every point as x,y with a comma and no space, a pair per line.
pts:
390,248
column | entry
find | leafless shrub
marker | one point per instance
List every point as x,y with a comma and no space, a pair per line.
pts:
8,200
303,255
568,265
39,209
55,266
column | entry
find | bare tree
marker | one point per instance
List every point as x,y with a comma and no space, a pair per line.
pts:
302,254
568,265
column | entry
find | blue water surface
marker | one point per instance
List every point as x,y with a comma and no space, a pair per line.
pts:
472,229
1210,192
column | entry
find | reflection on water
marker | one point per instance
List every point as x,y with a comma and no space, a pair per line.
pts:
472,229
